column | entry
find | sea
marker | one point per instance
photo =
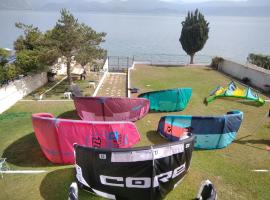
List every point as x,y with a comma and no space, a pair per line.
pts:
231,37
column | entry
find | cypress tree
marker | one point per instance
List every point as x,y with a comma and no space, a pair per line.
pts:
194,33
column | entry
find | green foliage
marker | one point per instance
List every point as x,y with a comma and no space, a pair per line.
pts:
30,40
3,52
36,50
12,71
72,38
3,56
259,60
8,72
89,54
28,60
28,49
194,33
2,75
216,61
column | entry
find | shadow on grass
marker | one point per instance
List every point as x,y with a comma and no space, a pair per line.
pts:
55,185
154,111
252,141
26,152
155,138
208,69
241,101
164,112
71,114
260,141
167,66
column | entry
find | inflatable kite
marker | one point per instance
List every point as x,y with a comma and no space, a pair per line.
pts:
146,173
168,100
57,136
211,132
111,108
233,91
207,191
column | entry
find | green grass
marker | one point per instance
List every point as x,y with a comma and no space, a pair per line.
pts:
229,168
57,93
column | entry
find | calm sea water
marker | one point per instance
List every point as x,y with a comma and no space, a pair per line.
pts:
128,35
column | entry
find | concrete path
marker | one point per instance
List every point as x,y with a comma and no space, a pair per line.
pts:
114,85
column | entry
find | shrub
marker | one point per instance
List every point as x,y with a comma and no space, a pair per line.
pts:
12,72
2,75
28,61
8,73
259,60
216,61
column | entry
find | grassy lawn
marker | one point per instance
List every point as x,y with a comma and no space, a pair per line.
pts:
229,168
57,93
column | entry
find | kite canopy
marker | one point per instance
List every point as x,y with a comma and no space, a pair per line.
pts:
111,108
147,173
233,91
57,136
168,100
212,132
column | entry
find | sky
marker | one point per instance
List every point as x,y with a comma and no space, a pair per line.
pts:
199,1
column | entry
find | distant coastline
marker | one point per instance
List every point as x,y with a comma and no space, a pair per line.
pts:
147,12
134,34
258,8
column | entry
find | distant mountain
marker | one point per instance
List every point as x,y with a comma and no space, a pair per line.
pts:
258,2
78,5
111,6
232,8
15,4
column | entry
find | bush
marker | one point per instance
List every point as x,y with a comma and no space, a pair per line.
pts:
12,72
2,75
3,56
259,60
8,73
28,61
216,61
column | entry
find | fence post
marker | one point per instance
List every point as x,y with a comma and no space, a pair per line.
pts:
127,62
118,63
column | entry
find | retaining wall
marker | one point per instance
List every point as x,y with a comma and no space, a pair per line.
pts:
259,77
105,70
17,89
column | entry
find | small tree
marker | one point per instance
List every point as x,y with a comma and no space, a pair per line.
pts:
76,39
33,50
36,50
194,33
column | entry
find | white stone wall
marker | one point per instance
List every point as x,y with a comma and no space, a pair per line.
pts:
105,69
258,76
16,90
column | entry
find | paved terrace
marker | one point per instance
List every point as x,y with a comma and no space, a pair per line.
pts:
114,85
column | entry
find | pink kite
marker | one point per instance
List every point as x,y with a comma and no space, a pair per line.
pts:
111,108
57,136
